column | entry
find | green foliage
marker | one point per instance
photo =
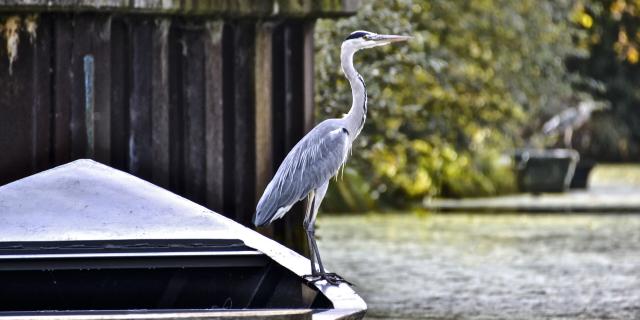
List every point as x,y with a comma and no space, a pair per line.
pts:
445,107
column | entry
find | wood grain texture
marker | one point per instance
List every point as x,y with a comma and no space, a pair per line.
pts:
193,100
120,91
62,89
160,102
91,37
139,148
264,110
308,55
16,111
244,122
101,49
214,115
228,116
176,159
42,92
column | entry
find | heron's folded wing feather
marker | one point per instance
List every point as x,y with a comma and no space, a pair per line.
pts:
313,161
551,125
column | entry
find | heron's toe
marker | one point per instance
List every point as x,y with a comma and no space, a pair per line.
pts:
330,277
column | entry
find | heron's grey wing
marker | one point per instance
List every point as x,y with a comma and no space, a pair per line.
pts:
313,161
560,122
551,125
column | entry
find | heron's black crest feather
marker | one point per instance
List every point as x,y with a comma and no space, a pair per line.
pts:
357,34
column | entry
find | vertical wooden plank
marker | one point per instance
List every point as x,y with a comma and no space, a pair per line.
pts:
89,79
193,78
289,118
80,46
160,102
294,124
281,231
299,113
120,90
101,48
244,122
16,110
228,101
294,82
42,105
62,88
278,96
140,155
176,158
263,109
308,54
214,116
307,118
91,133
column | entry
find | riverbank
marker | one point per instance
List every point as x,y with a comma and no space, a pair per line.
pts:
612,189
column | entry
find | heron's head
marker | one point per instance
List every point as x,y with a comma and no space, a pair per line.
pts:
364,39
590,106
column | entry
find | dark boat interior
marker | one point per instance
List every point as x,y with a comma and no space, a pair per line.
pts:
146,275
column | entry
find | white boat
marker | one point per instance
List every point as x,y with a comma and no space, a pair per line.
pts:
86,241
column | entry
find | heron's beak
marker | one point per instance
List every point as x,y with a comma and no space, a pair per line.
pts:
389,38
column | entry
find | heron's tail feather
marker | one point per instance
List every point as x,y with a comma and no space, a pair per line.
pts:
263,218
260,221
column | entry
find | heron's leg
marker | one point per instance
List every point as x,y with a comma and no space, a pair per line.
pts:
568,135
312,252
315,247
309,224
319,196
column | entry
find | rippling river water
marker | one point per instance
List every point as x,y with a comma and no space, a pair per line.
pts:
409,266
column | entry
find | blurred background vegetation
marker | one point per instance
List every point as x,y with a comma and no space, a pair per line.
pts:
477,81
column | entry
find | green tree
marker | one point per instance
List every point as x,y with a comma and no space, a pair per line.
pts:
446,106
613,43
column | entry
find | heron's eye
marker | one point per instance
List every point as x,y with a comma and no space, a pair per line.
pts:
366,37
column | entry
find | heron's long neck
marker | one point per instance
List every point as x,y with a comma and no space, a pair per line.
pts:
358,113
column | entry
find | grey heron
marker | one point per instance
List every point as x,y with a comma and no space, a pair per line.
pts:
571,119
306,171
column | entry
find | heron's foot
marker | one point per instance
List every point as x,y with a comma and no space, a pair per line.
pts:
330,277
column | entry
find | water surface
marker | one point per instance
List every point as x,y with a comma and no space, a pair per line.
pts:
409,266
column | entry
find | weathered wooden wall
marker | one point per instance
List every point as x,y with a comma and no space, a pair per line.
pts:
204,106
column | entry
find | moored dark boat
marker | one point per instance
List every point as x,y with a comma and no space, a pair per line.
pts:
547,170
86,241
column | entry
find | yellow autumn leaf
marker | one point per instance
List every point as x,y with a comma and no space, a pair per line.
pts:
632,55
586,20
